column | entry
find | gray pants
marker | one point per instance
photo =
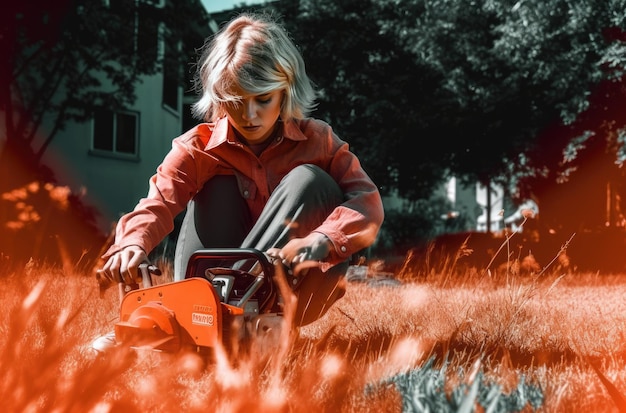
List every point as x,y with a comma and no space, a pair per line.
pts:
218,217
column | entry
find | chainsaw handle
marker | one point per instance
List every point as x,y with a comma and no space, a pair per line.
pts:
229,254
146,269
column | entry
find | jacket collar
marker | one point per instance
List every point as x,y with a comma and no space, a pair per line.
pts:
291,130
222,133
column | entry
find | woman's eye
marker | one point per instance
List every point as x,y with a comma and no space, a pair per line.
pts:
264,100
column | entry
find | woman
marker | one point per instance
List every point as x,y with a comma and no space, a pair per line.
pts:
258,174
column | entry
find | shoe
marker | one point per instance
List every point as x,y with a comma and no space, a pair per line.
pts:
105,343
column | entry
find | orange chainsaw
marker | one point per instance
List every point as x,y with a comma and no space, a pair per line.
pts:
223,290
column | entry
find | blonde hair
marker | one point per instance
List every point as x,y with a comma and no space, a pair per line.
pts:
256,54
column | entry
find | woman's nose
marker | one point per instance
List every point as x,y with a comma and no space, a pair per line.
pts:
248,110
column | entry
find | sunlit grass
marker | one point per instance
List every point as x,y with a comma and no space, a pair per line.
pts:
471,337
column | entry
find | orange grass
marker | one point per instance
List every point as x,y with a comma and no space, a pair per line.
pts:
550,329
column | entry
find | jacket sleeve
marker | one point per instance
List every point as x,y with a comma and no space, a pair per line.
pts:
353,225
170,189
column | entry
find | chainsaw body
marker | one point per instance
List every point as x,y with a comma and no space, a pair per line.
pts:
222,289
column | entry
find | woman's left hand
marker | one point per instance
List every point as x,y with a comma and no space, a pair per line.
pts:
314,247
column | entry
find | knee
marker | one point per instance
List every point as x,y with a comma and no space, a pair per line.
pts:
310,179
309,174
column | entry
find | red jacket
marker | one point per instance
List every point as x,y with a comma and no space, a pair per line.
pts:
211,149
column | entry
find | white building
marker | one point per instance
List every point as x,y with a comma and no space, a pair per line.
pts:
111,157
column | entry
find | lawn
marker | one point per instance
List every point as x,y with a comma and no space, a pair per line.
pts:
502,340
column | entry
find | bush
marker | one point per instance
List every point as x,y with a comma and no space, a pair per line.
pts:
48,223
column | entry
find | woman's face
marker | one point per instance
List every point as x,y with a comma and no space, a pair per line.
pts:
255,116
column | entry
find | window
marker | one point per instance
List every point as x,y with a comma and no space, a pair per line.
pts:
136,27
115,133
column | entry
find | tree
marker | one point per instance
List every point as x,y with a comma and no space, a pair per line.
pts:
366,82
472,82
587,165
424,89
64,60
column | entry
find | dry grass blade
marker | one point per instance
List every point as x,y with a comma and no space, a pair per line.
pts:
367,353
616,395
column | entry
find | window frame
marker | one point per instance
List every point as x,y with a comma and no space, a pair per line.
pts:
114,152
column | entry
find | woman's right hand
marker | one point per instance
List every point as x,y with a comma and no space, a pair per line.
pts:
123,266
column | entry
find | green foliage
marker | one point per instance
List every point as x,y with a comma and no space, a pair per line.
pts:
62,61
415,225
403,230
423,390
422,88
65,60
49,224
372,91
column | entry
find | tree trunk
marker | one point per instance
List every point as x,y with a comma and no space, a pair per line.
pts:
18,165
488,205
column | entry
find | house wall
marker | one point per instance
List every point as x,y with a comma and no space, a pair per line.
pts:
114,185
468,202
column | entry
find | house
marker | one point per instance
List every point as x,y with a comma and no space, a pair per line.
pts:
110,158
471,203
468,207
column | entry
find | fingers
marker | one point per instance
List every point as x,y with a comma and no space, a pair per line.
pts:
104,282
304,255
312,248
130,266
111,269
123,266
289,255
273,253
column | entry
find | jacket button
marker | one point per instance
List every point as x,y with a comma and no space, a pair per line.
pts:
343,248
246,193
